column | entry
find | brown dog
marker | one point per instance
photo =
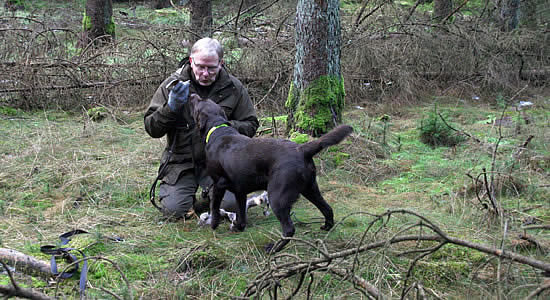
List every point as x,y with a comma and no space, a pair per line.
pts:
244,165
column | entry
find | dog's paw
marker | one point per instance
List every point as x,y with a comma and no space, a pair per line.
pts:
237,227
277,246
269,247
214,222
327,227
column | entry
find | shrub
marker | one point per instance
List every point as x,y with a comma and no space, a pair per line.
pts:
435,132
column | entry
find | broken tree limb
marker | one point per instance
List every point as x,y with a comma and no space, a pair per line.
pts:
16,291
283,267
25,264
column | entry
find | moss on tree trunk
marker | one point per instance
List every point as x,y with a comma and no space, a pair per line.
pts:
316,96
318,107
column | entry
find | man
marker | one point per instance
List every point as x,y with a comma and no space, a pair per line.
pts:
169,114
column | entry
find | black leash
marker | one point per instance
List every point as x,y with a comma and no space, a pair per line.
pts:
152,190
65,253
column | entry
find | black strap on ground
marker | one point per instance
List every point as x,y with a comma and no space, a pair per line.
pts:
65,253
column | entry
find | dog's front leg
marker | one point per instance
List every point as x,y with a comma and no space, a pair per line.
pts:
215,202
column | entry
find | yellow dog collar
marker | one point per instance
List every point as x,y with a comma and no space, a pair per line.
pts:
212,130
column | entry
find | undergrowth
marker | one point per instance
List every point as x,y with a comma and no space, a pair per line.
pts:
64,171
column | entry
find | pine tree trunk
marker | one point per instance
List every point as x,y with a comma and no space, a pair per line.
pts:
316,95
97,24
509,18
442,9
201,19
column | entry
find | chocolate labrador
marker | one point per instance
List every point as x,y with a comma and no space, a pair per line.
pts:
244,165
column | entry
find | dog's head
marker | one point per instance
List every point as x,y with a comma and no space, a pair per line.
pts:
206,113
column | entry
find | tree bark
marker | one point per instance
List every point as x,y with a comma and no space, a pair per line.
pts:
442,9
508,16
98,25
201,19
316,95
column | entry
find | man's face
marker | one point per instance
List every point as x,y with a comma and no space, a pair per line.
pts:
205,68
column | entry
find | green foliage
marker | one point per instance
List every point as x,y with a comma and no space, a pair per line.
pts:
299,138
97,113
434,132
9,111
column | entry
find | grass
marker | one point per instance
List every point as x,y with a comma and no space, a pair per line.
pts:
63,171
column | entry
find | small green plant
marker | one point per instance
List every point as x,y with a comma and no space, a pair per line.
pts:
97,113
435,132
8,111
299,138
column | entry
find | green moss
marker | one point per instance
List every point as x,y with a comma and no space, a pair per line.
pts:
315,107
110,27
8,111
86,22
340,157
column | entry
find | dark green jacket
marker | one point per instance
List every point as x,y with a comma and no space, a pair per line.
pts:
159,120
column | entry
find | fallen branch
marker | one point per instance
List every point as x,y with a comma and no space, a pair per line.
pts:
544,286
25,264
290,267
16,291
543,226
82,85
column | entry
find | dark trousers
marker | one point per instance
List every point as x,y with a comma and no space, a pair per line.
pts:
179,199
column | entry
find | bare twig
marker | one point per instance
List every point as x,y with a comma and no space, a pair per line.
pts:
544,286
16,291
277,272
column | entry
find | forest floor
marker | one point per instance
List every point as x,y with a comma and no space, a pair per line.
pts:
63,171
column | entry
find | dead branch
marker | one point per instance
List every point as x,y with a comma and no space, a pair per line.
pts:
523,146
543,226
460,131
25,264
369,288
544,286
23,293
276,272
16,291
83,85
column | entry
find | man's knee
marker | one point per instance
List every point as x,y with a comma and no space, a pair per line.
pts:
177,200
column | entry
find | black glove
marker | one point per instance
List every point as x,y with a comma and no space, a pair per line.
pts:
179,94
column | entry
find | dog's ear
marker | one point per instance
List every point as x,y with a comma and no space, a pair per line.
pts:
202,121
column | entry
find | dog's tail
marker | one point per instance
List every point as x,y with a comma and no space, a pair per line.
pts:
333,137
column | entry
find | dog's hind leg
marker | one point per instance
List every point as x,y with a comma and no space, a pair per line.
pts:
313,194
281,200
240,224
